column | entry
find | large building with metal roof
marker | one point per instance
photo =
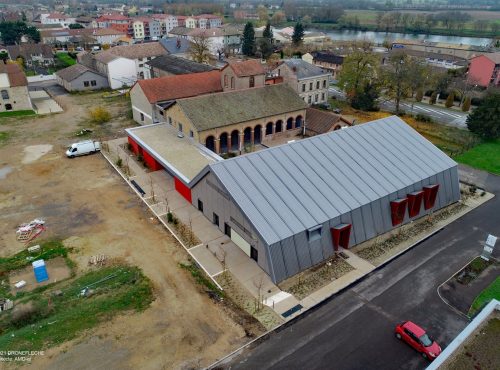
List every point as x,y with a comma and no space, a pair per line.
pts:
292,206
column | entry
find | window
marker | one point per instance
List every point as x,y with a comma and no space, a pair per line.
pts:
430,195
254,254
398,210
86,83
93,83
323,96
316,98
324,83
317,85
310,86
251,82
216,219
303,87
314,233
180,127
141,65
232,82
169,120
142,117
200,205
5,95
191,134
8,106
225,81
309,99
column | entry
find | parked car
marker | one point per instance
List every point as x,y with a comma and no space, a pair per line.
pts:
416,337
337,110
83,148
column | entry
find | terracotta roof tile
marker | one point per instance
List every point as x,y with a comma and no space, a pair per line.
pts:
320,121
15,74
180,86
250,67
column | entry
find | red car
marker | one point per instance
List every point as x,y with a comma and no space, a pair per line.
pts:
416,337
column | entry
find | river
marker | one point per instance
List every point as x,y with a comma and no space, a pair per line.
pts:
379,37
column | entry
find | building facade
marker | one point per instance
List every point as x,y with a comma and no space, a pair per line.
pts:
484,70
14,94
309,81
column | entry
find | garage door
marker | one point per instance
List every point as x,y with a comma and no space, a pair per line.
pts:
240,242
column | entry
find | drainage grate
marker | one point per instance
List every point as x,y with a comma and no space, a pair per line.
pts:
343,255
292,310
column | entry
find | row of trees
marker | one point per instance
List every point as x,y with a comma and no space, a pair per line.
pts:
11,33
364,79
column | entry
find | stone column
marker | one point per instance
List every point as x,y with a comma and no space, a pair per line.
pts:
274,128
217,145
251,137
229,144
242,138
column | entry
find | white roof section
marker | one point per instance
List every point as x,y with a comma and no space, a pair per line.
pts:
290,188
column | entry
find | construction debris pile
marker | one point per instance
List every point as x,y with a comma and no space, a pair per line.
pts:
27,232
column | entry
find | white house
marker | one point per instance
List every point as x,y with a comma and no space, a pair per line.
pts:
57,18
107,35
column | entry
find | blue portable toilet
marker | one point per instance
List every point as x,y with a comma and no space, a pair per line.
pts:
40,271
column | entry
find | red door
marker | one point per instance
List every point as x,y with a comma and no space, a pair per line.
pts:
340,236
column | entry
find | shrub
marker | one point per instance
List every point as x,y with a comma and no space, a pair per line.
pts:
170,217
449,100
140,158
466,104
433,98
99,115
129,147
423,118
119,162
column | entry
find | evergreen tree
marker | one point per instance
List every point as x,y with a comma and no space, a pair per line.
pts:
268,32
449,100
366,99
485,119
466,104
298,34
433,97
419,96
248,47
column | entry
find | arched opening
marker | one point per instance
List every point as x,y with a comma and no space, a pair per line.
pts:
235,140
269,128
257,131
289,123
279,126
247,136
8,106
337,127
210,143
298,122
223,142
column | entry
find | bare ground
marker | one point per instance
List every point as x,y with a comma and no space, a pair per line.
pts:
87,205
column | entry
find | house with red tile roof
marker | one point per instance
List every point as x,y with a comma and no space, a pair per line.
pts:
240,74
13,88
150,98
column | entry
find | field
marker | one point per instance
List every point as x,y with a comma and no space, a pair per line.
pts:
491,292
485,156
87,206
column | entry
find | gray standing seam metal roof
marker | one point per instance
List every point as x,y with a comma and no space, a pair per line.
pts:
297,186
302,69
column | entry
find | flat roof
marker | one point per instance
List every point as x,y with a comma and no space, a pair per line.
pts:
182,156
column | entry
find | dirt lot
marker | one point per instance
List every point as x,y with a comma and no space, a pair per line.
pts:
87,205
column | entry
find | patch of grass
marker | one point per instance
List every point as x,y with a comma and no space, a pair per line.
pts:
485,156
65,59
55,319
200,278
48,250
491,292
17,113
4,136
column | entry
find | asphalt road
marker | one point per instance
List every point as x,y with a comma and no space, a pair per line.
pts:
354,330
438,114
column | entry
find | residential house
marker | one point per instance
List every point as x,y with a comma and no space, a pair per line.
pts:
463,51
150,98
32,54
80,78
120,71
208,21
116,21
309,81
325,60
322,121
484,70
176,46
57,18
171,65
190,22
14,94
229,121
107,36
65,36
87,22
146,29
167,22
240,74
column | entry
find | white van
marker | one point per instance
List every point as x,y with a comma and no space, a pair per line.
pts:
82,148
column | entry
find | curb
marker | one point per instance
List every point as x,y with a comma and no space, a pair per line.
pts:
160,219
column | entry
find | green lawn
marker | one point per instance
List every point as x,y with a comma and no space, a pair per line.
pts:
485,156
65,59
4,136
17,113
493,291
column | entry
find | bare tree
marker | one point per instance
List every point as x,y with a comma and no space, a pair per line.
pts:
199,48
127,167
259,284
222,259
152,185
463,86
